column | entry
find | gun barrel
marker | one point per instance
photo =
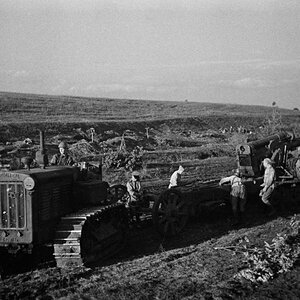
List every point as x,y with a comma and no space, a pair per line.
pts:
294,144
264,142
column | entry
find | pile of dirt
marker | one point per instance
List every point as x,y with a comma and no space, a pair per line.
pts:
83,150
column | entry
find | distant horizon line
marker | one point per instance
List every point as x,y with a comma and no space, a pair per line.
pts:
141,99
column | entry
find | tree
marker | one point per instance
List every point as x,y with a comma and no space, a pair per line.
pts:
273,122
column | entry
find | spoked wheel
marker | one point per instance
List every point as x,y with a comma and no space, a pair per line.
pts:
117,193
170,213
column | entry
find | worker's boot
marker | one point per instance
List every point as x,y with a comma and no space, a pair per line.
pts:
271,211
235,218
138,222
241,217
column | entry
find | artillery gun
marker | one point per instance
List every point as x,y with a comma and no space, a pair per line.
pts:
173,207
277,147
284,150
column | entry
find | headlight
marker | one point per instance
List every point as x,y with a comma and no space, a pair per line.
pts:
29,183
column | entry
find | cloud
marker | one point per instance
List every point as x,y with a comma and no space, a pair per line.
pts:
268,65
202,6
256,5
56,88
73,89
247,83
15,73
252,83
133,86
21,74
114,87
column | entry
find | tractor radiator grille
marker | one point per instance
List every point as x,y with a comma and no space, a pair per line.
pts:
12,205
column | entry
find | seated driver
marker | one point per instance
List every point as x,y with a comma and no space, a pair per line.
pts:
63,158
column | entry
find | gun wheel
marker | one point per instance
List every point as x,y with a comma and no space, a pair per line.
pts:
170,213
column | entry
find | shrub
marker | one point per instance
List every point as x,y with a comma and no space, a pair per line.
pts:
273,123
273,259
129,160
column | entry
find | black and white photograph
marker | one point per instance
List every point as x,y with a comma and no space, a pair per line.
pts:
149,149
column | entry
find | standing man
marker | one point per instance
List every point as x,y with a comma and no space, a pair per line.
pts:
134,190
298,164
238,195
63,158
267,191
176,178
298,168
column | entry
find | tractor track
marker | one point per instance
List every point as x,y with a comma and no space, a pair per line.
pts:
91,234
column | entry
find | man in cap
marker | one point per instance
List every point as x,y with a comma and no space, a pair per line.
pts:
134,187
238,195
268,185
135,194
62,158
176,177
297,166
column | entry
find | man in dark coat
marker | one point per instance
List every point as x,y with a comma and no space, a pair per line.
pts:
62,158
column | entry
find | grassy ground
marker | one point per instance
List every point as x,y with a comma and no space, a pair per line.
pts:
34,108
24,114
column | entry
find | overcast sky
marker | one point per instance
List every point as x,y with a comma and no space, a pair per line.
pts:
230,51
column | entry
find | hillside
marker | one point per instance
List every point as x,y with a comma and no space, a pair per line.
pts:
21,115
16,108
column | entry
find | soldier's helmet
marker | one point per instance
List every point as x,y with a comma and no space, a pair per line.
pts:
136,175
180,169
237,172
268,161
63,145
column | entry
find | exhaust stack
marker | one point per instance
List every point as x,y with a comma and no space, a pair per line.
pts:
41,154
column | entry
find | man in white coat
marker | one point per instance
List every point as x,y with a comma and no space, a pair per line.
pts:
176,177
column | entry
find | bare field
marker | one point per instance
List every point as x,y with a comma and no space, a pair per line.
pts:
18,108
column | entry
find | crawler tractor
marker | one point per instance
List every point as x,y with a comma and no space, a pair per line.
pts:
53,206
